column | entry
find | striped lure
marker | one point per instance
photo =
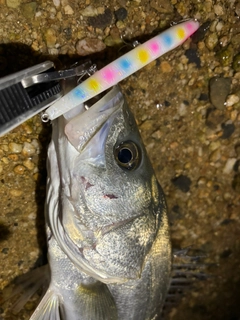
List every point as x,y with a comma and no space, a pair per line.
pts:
123,67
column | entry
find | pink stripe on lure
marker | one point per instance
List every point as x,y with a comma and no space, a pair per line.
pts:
123,67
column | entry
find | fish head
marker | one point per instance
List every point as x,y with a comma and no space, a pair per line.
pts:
111,203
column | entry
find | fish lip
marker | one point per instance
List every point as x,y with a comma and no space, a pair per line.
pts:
81,129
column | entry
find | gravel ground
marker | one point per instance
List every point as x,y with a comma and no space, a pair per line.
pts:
187,105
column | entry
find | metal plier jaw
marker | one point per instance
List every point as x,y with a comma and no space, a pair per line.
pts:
26,93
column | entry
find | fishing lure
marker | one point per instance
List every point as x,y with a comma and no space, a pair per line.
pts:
122,67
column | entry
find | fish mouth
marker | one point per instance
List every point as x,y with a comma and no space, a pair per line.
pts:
88,130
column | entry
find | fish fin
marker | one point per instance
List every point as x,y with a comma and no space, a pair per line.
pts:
25,286
48,308
187,270
98,302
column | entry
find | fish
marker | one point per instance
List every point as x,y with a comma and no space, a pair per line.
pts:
109,248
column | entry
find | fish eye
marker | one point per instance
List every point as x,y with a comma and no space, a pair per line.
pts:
127,155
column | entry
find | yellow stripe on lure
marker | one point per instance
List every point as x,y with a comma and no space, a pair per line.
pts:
123,67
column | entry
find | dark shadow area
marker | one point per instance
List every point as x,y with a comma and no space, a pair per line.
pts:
4,232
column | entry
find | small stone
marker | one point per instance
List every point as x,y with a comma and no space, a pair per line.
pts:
56,3
111,42
215,156
13,157
219,90
16,192
27,127
68,10
28,164
50,37
120,25
88,46
1,168
232,99
174,145
228,129
182,182
202,181
182,109
162,6
211,41
165,67
229,165
89,11
226,55
15,147
214,118
218,10
32,216
13,3
214,145
28,149
19,169
121,13
29,9
5,160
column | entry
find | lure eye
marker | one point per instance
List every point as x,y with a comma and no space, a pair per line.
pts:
127,155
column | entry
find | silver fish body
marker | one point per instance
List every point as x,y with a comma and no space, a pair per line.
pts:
109,248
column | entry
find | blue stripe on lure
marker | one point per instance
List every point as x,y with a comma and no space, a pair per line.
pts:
123,67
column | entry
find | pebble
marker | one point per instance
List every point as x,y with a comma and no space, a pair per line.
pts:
214,118
68,10
214,145
15,147
182,182
88,46
218,9
162,6
56,3
13,157
229,165
50,37
165,67
228,129
28,164
219,90
182,109
121,13
19,169
211,41
232,99
226,55
111,42
202,181
29,9
89,11
15,192
28,149
13,3
215,156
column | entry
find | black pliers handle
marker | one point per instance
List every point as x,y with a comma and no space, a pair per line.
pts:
28,92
